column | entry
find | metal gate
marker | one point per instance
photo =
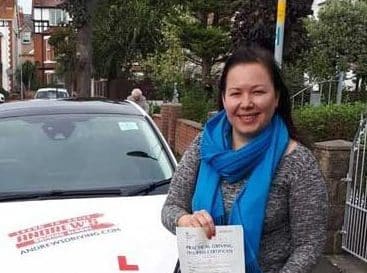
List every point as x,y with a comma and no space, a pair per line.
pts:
354,239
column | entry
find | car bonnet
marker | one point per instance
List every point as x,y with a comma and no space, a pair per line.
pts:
91,235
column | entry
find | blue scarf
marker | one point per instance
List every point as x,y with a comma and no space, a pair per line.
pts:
257,161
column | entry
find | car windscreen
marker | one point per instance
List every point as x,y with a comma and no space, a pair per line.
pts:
79,151
51,94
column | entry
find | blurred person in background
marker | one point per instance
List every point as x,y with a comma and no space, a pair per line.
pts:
137,97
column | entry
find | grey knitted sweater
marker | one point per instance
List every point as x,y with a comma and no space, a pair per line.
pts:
295,224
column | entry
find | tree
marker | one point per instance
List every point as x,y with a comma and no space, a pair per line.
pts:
28,75
64,42
205,32
166,68
125,32
339,40
255,23
81,12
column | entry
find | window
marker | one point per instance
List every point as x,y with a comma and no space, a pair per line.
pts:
40,14
49,50
79,151
50,78
57,16
3,23
40,26
26,38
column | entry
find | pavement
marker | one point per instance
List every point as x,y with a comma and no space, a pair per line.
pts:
343,263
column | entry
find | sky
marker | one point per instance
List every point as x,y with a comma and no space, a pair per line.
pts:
26,5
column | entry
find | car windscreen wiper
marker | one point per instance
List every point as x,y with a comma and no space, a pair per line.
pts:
141,154
82,193
61,194
148,188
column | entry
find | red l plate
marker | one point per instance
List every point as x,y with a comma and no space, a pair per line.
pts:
126,267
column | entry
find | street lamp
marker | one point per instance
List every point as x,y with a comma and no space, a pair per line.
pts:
279,34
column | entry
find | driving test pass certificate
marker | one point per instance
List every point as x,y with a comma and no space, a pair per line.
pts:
223,253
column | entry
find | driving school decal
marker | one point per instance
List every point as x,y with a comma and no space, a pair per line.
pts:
60,232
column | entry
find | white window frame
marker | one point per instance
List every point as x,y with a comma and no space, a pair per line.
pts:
57,16
26,38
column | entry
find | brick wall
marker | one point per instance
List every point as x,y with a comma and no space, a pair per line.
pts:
170,113
186,131
333,157
179,133
157,118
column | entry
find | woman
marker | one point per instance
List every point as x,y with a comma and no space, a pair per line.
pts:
248,168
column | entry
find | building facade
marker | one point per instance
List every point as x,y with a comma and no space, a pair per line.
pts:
26,38
9,46
46,16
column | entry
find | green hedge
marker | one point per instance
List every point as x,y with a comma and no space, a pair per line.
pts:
196,104
313,124
328,122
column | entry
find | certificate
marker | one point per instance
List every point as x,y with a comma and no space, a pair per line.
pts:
223,253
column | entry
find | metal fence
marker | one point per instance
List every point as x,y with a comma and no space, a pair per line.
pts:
324,92
354,239
99,88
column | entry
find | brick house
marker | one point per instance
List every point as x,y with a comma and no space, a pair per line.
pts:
46,16
26,30
8,44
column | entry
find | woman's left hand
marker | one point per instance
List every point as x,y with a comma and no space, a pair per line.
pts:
199,218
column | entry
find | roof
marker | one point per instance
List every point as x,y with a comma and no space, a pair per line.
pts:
26,21
67,106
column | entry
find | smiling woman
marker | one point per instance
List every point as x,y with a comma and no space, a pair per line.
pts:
247,168
249,100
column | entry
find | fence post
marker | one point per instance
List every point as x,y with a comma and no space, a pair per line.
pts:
92,92
170,113
340,88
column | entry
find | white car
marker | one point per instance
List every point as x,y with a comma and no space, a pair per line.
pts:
2,98
51,93
82,187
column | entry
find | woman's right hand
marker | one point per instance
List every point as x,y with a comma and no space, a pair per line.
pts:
198,219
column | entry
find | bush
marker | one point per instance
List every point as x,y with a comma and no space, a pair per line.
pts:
328,122
154,108
196,104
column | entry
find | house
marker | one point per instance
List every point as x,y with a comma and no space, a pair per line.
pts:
9,57
26,39
46,16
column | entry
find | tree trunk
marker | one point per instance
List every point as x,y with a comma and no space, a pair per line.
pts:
356,88
207,79
84,58
68,78
205,74
84,54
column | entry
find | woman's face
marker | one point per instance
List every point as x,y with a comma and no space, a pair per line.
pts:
249,100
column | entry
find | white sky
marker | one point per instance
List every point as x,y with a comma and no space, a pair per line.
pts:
26,5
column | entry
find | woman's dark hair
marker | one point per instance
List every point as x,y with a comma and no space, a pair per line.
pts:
246,55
